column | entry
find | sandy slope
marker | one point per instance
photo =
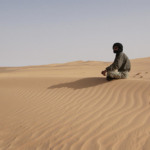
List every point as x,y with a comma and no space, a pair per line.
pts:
72,107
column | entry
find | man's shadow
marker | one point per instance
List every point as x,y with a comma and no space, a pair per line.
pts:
82,83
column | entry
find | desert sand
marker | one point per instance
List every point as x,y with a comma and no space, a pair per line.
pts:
71,106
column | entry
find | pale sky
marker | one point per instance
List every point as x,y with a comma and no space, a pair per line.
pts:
38,32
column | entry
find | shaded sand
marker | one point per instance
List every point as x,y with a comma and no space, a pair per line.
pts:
72,107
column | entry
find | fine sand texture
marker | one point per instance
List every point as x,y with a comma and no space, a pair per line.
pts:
71,106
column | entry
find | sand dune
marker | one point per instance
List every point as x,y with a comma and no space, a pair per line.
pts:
72,107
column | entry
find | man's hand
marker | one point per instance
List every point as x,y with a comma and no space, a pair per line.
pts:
104,72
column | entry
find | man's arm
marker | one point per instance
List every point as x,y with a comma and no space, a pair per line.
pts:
117,63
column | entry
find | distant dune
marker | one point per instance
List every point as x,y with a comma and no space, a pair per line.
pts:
71,106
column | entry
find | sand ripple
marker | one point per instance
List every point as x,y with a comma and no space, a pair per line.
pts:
74,114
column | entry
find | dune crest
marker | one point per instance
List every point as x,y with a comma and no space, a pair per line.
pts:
71,106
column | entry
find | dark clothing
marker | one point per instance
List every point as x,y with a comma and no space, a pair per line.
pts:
121,63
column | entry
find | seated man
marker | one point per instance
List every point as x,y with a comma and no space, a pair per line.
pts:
120,67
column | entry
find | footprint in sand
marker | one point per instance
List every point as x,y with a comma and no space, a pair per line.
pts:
139,73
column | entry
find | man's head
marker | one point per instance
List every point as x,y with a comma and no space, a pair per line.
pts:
117,47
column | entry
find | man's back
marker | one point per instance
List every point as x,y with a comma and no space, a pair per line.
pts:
125,64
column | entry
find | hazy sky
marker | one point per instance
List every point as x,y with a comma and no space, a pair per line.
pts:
37,32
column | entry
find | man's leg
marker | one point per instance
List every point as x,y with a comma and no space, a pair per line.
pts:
116,75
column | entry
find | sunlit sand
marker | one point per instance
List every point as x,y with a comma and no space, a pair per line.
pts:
71,106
